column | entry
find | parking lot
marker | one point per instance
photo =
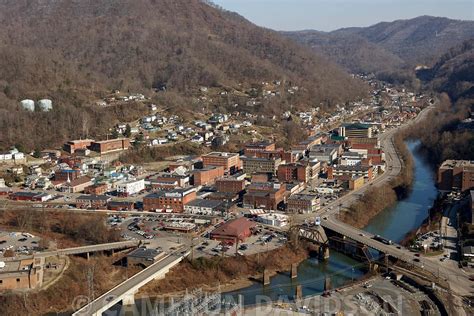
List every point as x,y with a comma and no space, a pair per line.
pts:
19,243
159,231
263,240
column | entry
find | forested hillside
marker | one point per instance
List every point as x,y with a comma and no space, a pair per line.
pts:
389,49
76,50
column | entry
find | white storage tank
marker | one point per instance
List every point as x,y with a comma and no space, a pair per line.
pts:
45,105
28,105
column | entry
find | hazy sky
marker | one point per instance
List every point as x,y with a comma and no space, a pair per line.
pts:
326,15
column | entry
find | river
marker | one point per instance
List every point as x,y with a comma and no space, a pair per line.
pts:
392,223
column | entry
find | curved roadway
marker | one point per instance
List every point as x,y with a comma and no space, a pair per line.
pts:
457,279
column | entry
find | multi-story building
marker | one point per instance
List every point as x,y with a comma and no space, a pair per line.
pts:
363,142
92,201
293,172
350,159
324,153
265,195
66,174
166,180
456,175
96,189
73,145
355,131
252,149
287,156
471,206
356,182
205,207
128,188
173,200
254,164
24,274
230,161
111,145
314,166
335,172
303,203
230,185
207,175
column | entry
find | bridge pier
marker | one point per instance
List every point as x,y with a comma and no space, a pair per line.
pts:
87,256
373,267
128,299
294,271
266,277
298,293
324,252
327,284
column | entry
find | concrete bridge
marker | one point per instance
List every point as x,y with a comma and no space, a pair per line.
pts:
121,245
126,291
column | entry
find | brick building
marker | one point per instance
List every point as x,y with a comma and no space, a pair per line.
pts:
286,156
230,161
30,196
111,145
207,175
22,274
234,230
363,142
456,175
66,174
96,189
169,200
92,201
356,182
293,172
303,203
252,149
120,205
73,145
264,195
230,185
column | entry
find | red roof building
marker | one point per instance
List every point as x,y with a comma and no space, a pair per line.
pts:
236,229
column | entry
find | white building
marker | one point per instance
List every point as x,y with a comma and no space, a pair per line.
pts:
130,187
274,219
350,159
204,207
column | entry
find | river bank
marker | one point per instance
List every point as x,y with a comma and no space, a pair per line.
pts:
381,197
226,273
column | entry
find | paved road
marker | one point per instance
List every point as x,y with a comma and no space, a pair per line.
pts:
83,249
131,285
457,278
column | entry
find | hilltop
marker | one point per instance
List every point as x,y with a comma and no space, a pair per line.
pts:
391,49
453,73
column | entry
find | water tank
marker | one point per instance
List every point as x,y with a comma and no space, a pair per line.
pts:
45,105
28,105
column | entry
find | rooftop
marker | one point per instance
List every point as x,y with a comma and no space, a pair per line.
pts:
234,227
93,198
355,126
306,197
205,203
144,253
457,164
221,154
